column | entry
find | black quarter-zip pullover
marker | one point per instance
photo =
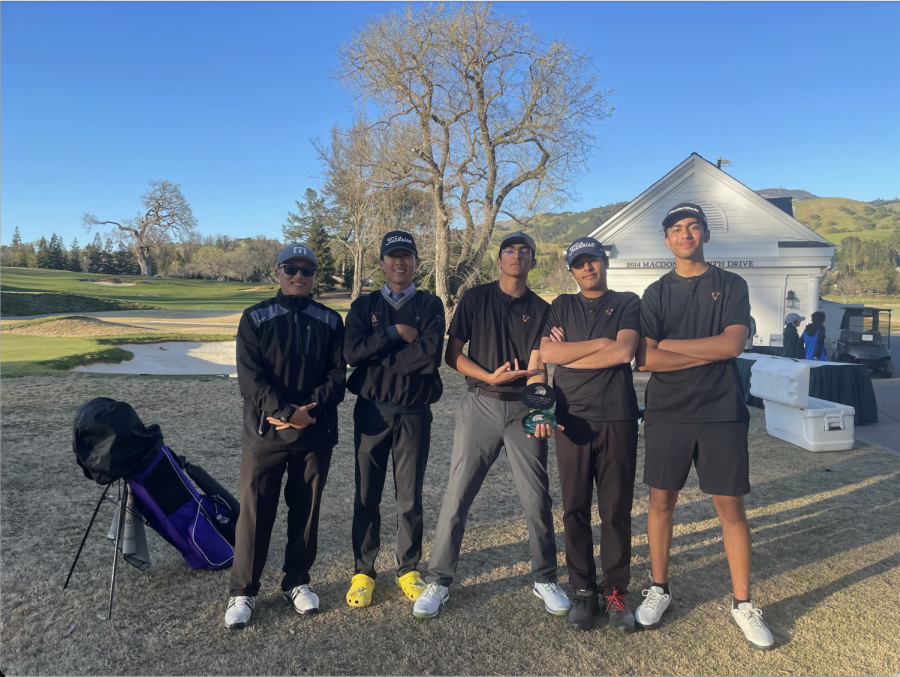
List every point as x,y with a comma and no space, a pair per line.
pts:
290,352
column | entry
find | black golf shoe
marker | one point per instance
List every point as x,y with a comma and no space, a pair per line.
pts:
620,618
585,606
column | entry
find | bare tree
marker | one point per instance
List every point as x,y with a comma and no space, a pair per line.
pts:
848,287
559,279
351,185
482,112
166,216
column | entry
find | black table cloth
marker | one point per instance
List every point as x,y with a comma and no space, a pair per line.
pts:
849,384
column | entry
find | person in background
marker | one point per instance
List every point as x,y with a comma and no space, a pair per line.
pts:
502,322
592,337
291,373
394,339
814,338
791,345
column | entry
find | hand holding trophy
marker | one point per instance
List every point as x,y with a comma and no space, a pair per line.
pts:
540,398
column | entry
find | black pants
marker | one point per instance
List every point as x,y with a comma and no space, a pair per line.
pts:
604,452
376,435
260,485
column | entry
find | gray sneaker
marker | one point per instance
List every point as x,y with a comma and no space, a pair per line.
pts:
649,614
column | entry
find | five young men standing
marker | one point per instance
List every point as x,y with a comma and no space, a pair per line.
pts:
687,330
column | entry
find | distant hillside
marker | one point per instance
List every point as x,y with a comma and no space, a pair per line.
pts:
564,227
836,218
781,192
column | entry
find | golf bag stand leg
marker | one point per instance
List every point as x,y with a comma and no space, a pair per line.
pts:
120,530
87,531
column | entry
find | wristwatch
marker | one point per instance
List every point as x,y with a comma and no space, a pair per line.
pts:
287,417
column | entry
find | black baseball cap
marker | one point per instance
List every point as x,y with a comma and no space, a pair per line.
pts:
582,246
518,237
398,239
296,250
684,210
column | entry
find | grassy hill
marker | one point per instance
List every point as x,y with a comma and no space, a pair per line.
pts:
836,218
564,227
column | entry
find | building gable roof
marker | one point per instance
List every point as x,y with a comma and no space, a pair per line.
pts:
731,207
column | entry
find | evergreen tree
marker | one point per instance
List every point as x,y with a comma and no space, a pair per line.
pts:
43,260
309,225
19,250
57,254
75,256
94,254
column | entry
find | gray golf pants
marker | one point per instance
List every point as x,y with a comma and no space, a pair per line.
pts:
483,427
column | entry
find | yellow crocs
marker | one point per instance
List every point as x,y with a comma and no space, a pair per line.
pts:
411,584
361,588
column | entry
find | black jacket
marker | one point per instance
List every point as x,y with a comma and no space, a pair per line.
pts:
792,346
403,377
289,352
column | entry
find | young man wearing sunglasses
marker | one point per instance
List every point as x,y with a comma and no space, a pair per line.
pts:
695,321
291,373
592,337
394,339
502,322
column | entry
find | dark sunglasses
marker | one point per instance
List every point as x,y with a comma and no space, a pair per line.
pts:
306,271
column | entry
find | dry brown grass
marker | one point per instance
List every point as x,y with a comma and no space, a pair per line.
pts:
826,564
72,327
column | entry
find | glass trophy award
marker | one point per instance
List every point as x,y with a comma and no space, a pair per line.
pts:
540,398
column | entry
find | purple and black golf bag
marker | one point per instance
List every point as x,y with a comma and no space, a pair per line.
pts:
111,442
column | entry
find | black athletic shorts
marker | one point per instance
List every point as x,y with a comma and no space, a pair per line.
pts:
718,451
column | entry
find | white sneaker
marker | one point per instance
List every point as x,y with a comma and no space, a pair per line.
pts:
429,602
555,600
749,619
303,598
649,614
237,615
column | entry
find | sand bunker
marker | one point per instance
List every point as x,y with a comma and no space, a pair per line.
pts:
74,326
173,359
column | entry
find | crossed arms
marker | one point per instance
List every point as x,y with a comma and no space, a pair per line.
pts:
594,354
674,355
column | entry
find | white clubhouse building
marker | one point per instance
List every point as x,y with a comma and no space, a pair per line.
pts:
782,260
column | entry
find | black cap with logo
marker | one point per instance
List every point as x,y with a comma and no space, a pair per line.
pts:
398,239
683,210
585,246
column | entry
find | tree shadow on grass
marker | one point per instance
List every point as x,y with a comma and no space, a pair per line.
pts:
817,515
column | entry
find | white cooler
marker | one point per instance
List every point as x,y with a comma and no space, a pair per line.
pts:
821,426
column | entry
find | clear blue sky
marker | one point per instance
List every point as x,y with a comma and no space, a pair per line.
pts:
99,98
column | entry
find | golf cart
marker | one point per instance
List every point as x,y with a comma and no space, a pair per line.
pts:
861,342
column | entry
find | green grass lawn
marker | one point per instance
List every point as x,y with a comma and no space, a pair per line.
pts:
873,235
153,291
19,284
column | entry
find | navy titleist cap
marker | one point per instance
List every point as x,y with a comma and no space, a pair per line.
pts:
582,246
398,239
298,250
684,210
518,237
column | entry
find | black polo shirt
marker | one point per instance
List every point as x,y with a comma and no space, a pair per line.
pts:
676,307
499,328
595,394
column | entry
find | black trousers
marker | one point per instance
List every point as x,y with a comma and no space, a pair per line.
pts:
376,435
260,488
605,453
